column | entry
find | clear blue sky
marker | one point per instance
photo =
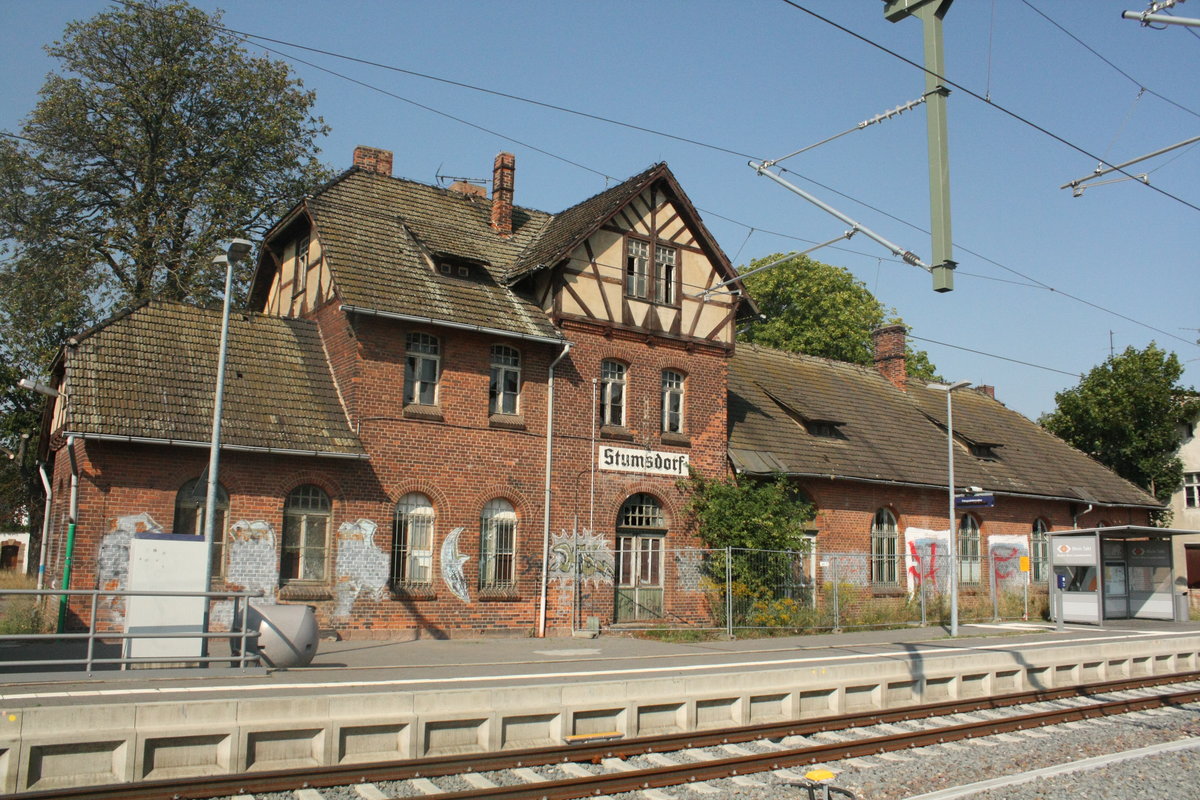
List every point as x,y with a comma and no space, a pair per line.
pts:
763,78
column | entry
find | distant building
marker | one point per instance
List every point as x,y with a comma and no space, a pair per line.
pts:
447,414
1185,509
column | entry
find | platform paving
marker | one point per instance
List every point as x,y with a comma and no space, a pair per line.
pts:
368,700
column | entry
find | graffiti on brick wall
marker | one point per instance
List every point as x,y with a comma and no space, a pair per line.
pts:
585,553
112,562
853,569
252,564
1006,551
925,554
361,568
452,566
689,569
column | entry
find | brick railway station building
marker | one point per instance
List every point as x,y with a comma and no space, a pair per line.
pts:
439,404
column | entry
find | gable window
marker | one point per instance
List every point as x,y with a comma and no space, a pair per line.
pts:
305,535
300,278
651,264
1039,550
664,273
968,550
885,556
506,380
1191,489
412,541
421,370
612,393
497,544
190,502
637,268
672,402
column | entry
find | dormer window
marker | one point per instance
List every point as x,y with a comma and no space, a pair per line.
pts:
651,265
984,450
824,429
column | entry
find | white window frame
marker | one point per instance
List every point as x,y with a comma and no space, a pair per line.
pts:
305,506
666,266
497,545
885,552
413,529
969,544
300,266
613,385
504,390
1191,490
422,369
673,386
1039,550
637,268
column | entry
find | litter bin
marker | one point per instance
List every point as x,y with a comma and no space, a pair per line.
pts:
287,635
1183,607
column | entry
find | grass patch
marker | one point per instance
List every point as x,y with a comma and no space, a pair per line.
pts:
18,613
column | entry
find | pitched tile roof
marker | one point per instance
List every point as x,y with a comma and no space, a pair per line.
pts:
887,435
569,228
374,229
149,373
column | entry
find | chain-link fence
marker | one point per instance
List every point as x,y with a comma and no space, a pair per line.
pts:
645,586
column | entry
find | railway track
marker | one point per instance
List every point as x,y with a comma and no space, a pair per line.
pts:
786,746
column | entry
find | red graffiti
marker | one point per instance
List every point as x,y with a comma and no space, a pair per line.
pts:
1004,561
915,570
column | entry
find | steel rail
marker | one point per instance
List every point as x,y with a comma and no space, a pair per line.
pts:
202,787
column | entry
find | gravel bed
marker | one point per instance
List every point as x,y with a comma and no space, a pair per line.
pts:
915,772
1168,775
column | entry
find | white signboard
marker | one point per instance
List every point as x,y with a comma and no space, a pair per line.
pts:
649,462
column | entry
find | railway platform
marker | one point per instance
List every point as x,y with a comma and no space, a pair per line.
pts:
367,700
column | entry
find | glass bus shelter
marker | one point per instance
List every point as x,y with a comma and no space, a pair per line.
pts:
1122,572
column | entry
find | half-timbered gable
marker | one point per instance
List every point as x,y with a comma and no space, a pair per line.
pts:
635,258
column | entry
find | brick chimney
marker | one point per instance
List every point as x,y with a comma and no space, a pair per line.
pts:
984,389
372,159
889,354
502,193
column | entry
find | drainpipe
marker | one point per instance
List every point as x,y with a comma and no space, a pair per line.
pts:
1075,519
45,525
546,497
71,520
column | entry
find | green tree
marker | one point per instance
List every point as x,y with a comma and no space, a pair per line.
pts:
820,310
160,138
748,513
1125,414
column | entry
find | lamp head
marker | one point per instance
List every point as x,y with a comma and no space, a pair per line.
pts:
238,249
40,388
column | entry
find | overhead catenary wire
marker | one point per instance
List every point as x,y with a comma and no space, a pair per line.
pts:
1034,283
1002,109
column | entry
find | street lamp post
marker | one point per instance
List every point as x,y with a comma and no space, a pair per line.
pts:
237,250
950,388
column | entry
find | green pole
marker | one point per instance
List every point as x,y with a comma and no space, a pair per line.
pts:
930,12
66,580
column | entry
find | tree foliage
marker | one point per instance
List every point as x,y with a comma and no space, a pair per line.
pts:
1125,413
748,513
820,310
158,139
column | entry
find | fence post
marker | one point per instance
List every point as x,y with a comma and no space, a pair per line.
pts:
837,596
729,591
921,589
995,587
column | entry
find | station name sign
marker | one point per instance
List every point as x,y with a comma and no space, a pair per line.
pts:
651,462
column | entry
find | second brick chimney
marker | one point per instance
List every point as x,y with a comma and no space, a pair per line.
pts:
502,193
373,159
889,354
